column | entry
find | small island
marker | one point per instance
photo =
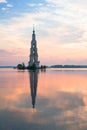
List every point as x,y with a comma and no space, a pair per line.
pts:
33,67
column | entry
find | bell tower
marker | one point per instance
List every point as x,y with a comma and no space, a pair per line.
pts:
33,51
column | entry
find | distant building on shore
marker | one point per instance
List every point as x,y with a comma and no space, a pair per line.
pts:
33,58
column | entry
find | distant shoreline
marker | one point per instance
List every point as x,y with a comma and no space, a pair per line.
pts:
7,66
68,66
55,66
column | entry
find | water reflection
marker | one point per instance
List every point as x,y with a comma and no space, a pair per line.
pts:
33,85
62,100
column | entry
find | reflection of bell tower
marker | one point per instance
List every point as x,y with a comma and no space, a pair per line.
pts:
33,51
33,86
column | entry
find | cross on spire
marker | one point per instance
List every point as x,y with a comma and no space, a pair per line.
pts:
33,29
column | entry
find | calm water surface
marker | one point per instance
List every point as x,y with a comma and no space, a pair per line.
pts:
47,100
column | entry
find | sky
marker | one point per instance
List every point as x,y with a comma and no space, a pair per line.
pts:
60,27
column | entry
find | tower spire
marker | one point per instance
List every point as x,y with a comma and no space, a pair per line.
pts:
33,29
33,35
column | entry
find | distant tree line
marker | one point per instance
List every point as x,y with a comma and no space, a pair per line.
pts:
69,66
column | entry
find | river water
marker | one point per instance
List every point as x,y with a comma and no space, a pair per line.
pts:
52,99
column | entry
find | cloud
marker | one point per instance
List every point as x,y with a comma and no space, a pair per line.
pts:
70,34
60,28
25,20
3,1
9,5
31,4
4,9
4,53
34,5
74,13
